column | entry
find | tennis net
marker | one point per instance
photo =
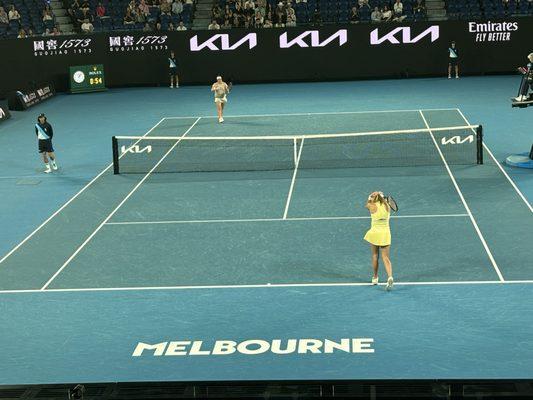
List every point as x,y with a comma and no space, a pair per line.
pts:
413,147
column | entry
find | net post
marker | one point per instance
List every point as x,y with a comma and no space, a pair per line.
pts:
114,142
479,137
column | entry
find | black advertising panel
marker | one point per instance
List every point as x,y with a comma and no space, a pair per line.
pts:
26,98
278,54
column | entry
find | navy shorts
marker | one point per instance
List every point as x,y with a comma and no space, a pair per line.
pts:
453,61
173,71
45,146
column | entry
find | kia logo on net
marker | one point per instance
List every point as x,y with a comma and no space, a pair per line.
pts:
403,35
302,40
221,41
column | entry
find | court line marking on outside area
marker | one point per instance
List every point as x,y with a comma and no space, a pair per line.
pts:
66,204
207,221
67,262
274,285
463,200
520,194
311,113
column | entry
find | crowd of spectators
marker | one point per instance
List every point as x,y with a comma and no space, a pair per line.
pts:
285,13
21,20
146,15
26,18
252,14
488,9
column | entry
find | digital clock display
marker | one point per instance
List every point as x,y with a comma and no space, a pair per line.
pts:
87,78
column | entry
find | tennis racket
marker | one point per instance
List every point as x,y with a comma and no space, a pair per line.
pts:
392,203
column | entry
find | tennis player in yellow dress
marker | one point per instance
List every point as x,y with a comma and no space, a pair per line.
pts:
379,235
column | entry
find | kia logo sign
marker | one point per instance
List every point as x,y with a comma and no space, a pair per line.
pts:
221,42
300,40
403,35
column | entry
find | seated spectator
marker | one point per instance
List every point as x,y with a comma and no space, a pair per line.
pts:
158,27
213,26
354,16
56,31
128,18
84,15
101,11
236,20
30,33
47,16
398,11
291,18
171,27
420,10
177,7
280,16
73,9
147,27
14,15
140,17
362,3
86,26
22,34
189,2
227,24
317,18
248,22
4,19
85,6
249,4
181,27
386,15
47,32
216,13
260,6
131,5
375,17
143,7
267,24
165,8
248,10
258,19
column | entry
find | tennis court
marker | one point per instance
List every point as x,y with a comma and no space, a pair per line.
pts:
242,253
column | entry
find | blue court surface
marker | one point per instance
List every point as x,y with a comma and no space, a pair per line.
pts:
263,275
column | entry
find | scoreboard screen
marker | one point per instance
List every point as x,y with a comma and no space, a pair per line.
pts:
87,78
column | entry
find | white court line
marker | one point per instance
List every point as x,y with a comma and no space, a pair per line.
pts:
465,204
66,263
501,169
293,180
312,113
207,221
274,285
66,204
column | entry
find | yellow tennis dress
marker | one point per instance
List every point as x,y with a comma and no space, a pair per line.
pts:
379,232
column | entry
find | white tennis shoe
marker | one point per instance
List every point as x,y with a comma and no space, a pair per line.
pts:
375,280
54,165
390,283
47,170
